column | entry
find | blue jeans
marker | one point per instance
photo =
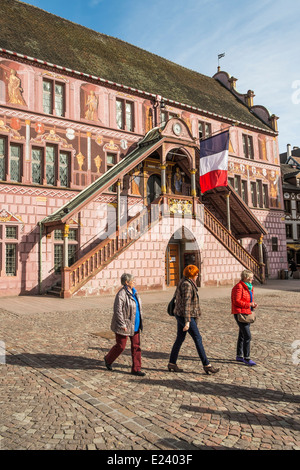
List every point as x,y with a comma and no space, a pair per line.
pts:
244,338
195,334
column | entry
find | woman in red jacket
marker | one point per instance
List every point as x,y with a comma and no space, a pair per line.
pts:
242,302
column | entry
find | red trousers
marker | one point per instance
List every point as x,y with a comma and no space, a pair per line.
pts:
119,347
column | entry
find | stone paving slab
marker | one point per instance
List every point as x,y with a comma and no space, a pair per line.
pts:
56,393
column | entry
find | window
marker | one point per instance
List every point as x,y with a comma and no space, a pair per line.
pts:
58,258
129,116
72,254
253,194
124,115
15,163
53,97
274,244
237,184
11,259
265,195
11,232
9,237
64,169
259,194
298,207
287,206
57,166
204,129
165,116
47,97
36,166
2,158
289,230
248,146
58,248
298,232
244,194
110,162
50,165
240,187
73,234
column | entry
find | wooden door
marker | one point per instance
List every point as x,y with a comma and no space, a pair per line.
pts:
172,264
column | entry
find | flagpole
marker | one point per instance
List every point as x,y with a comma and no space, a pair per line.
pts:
220,57
217,132
223,131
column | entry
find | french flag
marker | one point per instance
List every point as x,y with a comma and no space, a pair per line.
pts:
214,161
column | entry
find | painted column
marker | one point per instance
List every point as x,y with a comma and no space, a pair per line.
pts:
27,151
260,250
89,154
65,245
261,258
163,179
193,182
27,166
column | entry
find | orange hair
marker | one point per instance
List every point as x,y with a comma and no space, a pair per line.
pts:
190,271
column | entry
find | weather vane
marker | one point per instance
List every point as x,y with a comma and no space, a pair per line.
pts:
220,57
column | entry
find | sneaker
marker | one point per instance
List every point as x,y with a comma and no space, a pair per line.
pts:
249,362
239,359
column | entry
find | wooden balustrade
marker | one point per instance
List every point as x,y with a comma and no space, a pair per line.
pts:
232,245
92,262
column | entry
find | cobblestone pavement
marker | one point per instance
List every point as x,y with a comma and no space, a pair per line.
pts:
57,394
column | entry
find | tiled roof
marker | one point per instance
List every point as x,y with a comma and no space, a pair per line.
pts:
288,171
30,31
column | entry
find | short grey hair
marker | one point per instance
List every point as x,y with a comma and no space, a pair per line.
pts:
126,278
245,274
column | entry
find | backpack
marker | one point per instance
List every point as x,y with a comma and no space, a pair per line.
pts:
171,307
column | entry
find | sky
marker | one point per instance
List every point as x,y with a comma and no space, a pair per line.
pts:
259,39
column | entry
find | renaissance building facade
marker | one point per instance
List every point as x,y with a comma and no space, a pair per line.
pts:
99,166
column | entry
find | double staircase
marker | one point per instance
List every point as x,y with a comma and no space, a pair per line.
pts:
75,276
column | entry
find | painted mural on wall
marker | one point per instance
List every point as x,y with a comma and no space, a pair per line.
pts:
254,173
91,105
89,102
14,88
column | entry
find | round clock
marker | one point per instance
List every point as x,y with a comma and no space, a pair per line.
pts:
177,128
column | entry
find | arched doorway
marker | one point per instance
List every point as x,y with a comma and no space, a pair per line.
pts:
181,251
153,188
